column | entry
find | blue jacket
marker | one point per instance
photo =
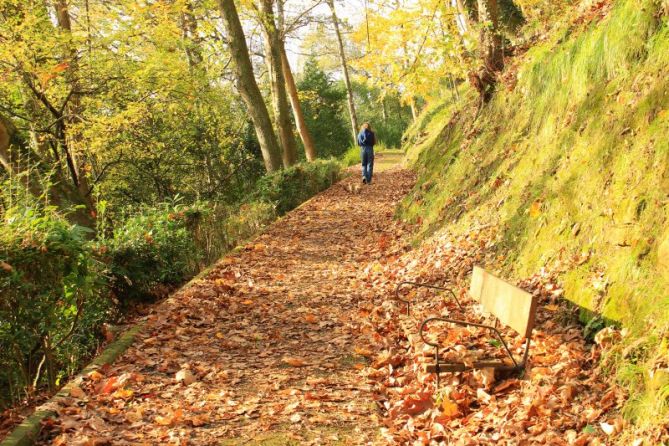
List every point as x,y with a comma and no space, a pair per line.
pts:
366,138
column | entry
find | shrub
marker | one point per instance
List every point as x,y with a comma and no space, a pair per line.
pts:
224,227
288,188
152,249
351,157
51,299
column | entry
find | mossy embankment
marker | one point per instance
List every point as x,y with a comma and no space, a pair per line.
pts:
571,161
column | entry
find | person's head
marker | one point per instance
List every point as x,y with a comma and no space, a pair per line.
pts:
366,126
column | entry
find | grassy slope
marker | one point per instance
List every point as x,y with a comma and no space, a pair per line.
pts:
573,164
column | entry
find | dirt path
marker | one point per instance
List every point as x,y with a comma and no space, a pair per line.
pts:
265,349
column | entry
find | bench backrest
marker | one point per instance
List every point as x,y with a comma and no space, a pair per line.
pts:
511,305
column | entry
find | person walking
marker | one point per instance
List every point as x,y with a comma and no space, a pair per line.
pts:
367,141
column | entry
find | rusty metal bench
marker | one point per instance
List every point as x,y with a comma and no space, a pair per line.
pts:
509,305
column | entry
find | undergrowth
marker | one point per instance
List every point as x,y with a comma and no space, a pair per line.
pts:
58,285
573,165
352,156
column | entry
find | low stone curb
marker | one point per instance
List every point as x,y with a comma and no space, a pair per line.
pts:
27,432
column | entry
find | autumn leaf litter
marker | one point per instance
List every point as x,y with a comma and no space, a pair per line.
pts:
296,337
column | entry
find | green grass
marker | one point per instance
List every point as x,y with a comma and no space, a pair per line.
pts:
582,141
352,155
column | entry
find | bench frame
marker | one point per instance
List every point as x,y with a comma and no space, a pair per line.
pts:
423,285
442,367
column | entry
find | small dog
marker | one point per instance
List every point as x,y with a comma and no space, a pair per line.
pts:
353,188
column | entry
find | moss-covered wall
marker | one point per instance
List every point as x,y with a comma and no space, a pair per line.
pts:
572,163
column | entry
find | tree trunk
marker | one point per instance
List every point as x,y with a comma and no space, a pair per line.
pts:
248,88
18,160
7,132
303,130
492,57
384,109
278,83
406,65
414,109
70,139
344,66
462,19
189,29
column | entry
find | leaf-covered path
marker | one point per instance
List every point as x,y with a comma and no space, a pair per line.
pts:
264,349
295,339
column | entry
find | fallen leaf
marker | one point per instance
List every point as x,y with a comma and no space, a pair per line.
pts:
123,394
171,419
185,376
294,361
77,392
535,209
110,385
296,418
449,409
363,352
199,420
135,416
95,375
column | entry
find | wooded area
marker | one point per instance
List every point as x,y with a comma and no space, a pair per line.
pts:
143,142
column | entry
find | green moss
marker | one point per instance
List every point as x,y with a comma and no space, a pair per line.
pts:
582,141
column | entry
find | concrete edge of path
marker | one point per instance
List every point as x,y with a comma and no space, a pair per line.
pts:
27,432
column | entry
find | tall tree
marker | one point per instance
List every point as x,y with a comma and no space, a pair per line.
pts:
248,88
18,159
73,110
278,83
491,53
405,63
344,66
7,131
190,33
303,130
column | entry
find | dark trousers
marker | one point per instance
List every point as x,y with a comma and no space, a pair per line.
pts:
367,157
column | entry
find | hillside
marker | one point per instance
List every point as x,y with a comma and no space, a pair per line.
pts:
569,163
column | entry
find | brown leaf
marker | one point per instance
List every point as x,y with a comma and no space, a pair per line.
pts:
417,404
310,318
363,352
449,409
199,420
185,376
294,361
171,419
77,392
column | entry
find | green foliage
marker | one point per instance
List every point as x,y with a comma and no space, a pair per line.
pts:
387,116
290,187
55,284
571,164
324,102
351,157
223,227
152,247
51,298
